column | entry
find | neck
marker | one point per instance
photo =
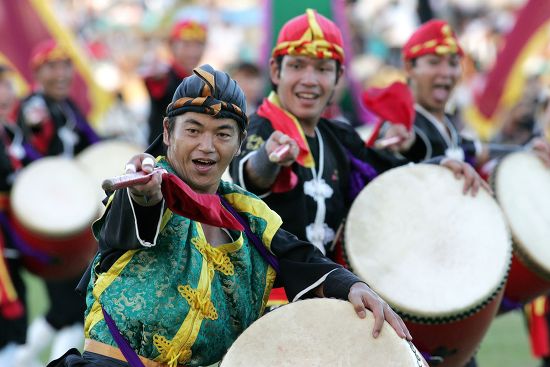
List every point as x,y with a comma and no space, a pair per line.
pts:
437,113
309,127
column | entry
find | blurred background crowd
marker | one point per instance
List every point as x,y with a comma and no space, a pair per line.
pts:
123,41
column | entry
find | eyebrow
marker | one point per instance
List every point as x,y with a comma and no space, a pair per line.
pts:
192,121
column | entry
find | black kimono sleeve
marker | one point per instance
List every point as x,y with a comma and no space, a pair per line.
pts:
303,268
380,160
126,226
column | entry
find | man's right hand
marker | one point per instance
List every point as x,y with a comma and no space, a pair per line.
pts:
405,138
277,140
147,194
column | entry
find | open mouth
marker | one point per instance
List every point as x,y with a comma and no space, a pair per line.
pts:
204,162
441,91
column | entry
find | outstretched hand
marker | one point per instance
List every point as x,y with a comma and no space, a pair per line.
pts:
282,157
362,297
149,193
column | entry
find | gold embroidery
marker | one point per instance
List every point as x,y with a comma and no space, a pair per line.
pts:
164,346
220,260
178,350
254,142
198,303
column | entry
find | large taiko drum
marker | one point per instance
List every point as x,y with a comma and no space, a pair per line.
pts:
522,187
438,257
319,332
53,204
106,159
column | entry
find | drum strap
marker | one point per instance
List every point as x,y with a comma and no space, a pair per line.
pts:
127,351
268,256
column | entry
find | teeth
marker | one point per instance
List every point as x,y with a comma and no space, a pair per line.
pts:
203,161
307,95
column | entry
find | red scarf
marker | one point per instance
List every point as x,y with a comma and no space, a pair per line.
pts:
204,208
286,123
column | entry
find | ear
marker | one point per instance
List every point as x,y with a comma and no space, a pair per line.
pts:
243,138
341,72
274,71
409,67
165,132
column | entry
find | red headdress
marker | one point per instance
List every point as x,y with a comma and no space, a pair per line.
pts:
310,34
188,30
433,37
47,51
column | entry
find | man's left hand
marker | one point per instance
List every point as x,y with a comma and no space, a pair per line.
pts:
542,149
362,297
472,181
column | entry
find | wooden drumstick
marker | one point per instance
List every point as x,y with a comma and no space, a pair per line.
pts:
127,180
384,143
276,155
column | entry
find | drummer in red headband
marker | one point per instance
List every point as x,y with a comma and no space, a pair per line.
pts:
307,168
431,59
15,153
187,43
54,125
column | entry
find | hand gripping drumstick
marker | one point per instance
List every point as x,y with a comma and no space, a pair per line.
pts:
129,179
276,155
384,143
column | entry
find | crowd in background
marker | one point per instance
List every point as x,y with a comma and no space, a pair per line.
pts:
123,40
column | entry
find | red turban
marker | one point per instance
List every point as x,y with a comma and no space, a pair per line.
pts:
188,30
433,37
47,51
312,35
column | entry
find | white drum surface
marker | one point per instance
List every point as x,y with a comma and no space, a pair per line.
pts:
427,249
106,159
318,332
522,188
54,197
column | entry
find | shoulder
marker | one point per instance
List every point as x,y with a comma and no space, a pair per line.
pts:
246,202
259,130
345,133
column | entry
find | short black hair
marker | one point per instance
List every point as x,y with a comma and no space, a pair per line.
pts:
245,67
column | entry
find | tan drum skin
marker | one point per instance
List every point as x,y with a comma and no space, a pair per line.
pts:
522,187
52,208
319,332
438,257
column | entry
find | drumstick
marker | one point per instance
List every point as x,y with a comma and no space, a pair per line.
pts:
384,143
276,155
127,180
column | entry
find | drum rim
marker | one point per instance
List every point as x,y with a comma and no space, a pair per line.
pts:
519,248
459,315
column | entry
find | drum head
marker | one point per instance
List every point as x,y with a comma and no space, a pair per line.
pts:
54,197
318,332
522,188
106,159
427,249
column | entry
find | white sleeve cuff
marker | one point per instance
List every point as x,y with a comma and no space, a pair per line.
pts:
141,241
240,179
314,285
